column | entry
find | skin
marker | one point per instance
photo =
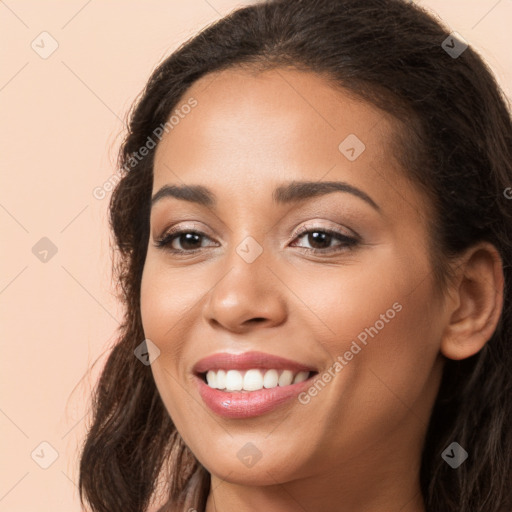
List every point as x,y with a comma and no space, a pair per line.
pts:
356,445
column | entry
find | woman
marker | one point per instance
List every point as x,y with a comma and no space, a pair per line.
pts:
314,245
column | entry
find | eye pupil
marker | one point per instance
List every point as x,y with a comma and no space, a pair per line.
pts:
321,237
190,238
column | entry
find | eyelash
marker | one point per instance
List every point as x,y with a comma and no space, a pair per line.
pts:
348,243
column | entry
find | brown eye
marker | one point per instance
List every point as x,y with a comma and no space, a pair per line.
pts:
189,240
320,240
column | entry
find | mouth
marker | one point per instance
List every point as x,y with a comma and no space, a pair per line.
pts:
250,384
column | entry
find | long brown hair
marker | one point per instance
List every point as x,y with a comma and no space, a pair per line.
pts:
453,139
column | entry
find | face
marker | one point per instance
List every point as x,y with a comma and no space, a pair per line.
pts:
331,282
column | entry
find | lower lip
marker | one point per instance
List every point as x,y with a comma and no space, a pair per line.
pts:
248,404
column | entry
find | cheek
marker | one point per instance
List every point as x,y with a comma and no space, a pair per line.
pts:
167,297
170,299
166,312
382,324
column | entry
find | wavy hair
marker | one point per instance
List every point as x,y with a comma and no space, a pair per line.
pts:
453,139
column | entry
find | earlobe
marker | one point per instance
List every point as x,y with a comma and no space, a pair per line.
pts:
479,305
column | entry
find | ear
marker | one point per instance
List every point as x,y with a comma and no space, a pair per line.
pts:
477,304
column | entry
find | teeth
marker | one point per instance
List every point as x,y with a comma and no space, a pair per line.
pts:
234,380
286,378
211,379
252,380
271,379
221,379
300,377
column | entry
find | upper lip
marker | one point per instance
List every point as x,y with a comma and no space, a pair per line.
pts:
246,361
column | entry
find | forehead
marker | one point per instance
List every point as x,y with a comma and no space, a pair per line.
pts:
252,130
286,109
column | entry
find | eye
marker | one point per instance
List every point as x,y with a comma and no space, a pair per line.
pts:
321,239
189,239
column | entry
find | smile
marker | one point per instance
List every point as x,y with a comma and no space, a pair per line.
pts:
253,379
249,384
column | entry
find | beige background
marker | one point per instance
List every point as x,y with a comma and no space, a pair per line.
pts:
61,121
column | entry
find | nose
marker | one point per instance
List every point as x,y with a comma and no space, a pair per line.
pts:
247,297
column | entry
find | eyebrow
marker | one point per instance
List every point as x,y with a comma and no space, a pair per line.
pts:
291,192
